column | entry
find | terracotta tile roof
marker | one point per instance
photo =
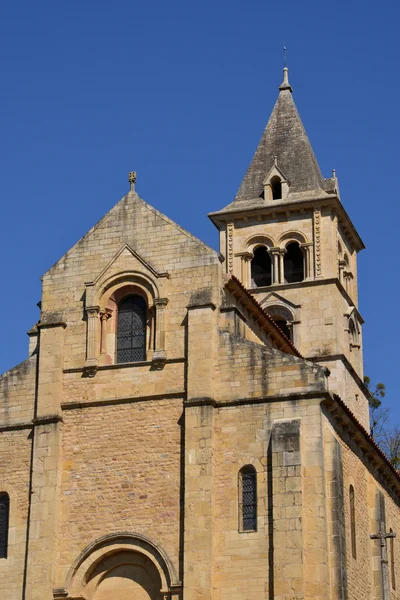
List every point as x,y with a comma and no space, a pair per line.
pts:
272,327
367,436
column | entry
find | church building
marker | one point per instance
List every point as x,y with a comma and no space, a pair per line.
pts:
192,424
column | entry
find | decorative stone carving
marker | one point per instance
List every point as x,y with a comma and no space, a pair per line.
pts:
104,316
132,179
317,242
229,243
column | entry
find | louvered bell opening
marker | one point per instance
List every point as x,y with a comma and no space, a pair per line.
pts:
4,514
131,330
249,504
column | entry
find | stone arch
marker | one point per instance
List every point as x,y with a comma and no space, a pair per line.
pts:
107,294
121,553
110,286
283,316
292,236
255,241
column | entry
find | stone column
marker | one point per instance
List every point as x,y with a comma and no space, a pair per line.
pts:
307,260
282,252
159,350
104,316
274,253
91,363
245,277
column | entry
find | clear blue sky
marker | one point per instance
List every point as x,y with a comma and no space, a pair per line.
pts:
180,92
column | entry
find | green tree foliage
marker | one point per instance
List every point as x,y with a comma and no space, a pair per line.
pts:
387,436
378,415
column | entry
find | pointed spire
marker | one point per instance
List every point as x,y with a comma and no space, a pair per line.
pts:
284,141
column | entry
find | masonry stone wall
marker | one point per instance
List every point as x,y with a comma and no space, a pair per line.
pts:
17,393
121,471
248,370
15,452
355,572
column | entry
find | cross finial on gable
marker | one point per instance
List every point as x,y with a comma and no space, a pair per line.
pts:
132,179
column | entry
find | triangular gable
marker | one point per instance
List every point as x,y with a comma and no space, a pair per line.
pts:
275,172
135,254
129,201
273,296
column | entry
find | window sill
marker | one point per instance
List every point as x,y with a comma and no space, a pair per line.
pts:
143,363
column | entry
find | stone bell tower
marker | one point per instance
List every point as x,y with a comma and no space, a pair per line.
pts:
289,240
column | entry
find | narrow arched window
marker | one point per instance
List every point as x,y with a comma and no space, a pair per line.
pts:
276,186
261,268
131,329
247,499
352,334
282,318
4,520
353,522
294,263
392,571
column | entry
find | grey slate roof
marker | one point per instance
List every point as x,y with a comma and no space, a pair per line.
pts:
285,138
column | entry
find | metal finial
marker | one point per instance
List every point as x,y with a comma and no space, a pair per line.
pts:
285,85
132,179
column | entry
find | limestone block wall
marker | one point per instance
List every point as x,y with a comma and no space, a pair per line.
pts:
17,393
124,382
355,569
321,329
17,401
287,556
342,382
15,452
183,262
249,370
274,228
121,471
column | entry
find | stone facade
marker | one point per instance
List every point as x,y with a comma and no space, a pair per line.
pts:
126,478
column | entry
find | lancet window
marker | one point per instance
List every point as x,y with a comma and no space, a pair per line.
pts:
247,498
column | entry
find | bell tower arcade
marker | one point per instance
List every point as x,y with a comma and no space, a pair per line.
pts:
289,240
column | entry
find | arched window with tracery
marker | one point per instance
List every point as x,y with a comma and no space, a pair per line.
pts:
294,263
276,186
353,521
247,498
4,521
131,329
261,268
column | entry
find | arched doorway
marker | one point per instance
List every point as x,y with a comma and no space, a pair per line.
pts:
122,566
125,576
